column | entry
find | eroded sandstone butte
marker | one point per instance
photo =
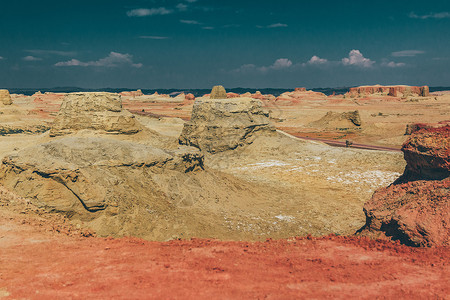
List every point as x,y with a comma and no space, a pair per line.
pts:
218,125
93,111
218,92
5,97
415,209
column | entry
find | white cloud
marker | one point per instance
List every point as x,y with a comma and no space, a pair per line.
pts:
1,57
143,12
154,37
315,60
181,7
191,1
392,64
51,52
31,58
276,25
355,58
279,64
192,22
208,27
407,53
440,15
114,59
72,62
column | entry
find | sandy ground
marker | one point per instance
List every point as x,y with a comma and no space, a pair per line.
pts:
46,259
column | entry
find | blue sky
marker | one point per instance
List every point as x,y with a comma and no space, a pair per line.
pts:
200,43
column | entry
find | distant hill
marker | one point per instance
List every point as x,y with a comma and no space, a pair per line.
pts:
196,92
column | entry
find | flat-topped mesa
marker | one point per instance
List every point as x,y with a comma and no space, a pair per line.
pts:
5,97
415,209
93,111
392,90
218,125
218,92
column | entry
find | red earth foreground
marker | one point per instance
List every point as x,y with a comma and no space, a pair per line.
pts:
39,260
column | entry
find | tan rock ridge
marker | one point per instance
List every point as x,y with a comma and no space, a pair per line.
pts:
93,111
5,97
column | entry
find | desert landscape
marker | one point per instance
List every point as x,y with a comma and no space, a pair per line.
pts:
344,179
194,149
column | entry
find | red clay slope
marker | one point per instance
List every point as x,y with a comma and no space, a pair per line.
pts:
38,264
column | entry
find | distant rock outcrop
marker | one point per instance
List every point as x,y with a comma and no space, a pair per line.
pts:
189,97
93,111
5,97
132,93
297,96
218,92
394,91
415,209
233,95
344,120
217,125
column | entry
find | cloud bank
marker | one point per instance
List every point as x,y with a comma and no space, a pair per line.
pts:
143,12
439,15
114,59
407,53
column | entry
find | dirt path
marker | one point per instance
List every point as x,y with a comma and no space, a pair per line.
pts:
37,262
343,144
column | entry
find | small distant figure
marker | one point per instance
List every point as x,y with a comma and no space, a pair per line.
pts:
348,143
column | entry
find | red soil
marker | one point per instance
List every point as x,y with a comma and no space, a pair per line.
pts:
37,263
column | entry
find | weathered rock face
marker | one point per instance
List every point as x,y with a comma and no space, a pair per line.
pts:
415,209
225,124
218,92
427,153
394,91
416,213
413,127
93,111
345,120
77,175
5,97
